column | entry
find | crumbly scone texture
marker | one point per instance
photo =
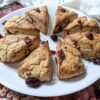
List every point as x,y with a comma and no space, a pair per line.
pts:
81,24
62,18
39,17
19,25
71,65
14,48
90,49
37,64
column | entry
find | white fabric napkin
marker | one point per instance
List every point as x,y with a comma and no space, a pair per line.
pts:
90,7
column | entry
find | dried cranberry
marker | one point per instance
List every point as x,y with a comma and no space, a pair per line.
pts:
60,28
74,42
54,37
27,40
37,10
67,31
89,35
53,52
44,42
4,22
1,36
61,54
79,22
97,61
33,82
56,59
63,10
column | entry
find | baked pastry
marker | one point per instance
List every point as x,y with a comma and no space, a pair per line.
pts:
62,18
69,61
15,47
39,17
88,43
81,24
37,64
19,25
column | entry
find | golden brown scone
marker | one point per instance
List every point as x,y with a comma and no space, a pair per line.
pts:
62,18
69,61
19,25
15,47
37,64
39,17
88,43
81,24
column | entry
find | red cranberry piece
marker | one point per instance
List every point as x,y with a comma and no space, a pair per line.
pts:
56,59
61,54
44,42
63,10
53,52
79,21
89,35
37,10
33,82
74,42
4,22
1,36
60,28
54,37
97,61
27,40
67,32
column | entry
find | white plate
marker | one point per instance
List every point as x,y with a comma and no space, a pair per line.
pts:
10,79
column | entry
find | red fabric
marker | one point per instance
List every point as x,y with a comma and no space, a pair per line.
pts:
86,94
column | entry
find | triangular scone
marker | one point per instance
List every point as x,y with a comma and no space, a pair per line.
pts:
81,24
15,47
19,25
39,17
69,61
37,64
62,18
88,43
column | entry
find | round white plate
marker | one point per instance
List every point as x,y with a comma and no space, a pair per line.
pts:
10,78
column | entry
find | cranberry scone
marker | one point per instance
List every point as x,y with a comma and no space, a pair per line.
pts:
15,47
69,61
88,43
39,17
37,64
62,18
81,24
19,25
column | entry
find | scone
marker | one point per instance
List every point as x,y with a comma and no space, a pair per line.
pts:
39,17
19,25
15,47
62,18
37,64
69,61
88,43
81,24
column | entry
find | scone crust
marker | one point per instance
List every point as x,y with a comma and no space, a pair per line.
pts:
14,48
62,18
37,64
81,24
71,65
90,49
39,17
18,24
